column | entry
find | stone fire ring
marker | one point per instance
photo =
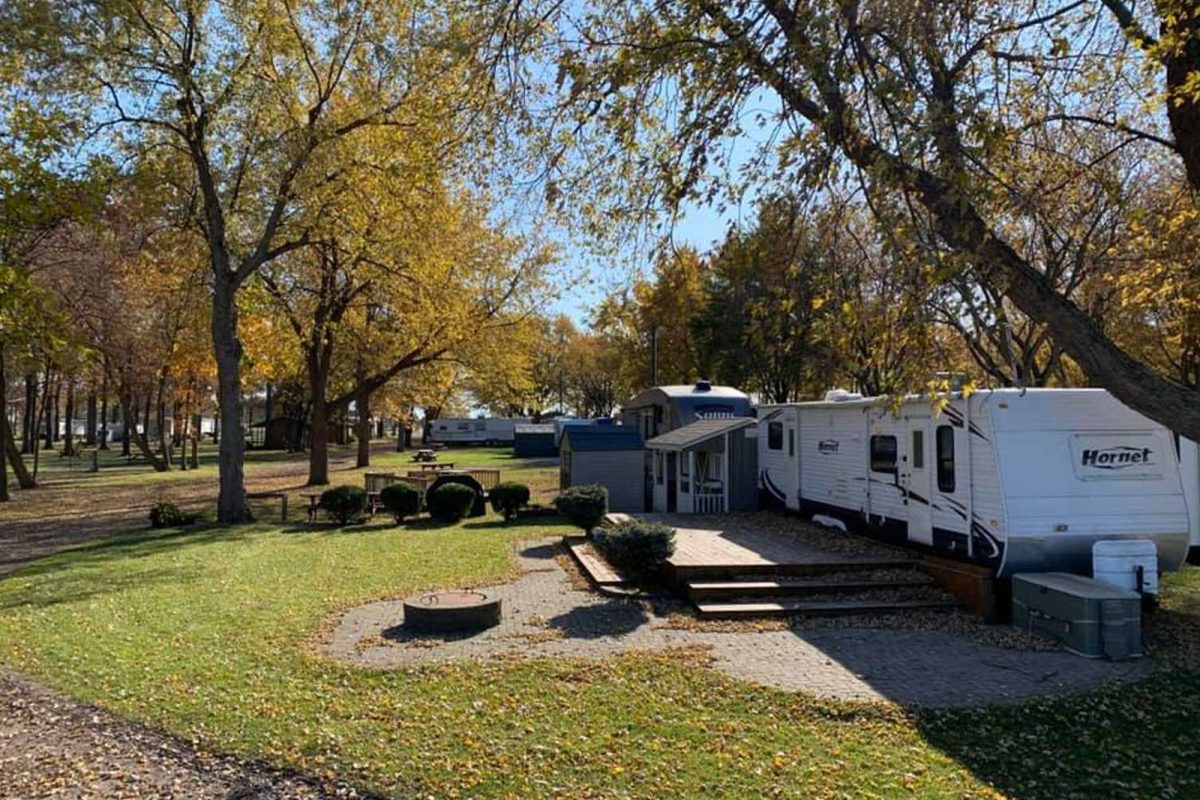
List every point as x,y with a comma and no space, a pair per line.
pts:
458,610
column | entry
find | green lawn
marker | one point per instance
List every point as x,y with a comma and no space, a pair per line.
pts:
208,633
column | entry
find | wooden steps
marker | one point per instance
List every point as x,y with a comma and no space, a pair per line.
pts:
734,574
682,574
785,587
786,607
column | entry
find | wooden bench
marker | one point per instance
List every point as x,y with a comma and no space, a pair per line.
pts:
376,482
280,496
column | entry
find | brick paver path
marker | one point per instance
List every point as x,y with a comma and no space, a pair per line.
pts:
546,617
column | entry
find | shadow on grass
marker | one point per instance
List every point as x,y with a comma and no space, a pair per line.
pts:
74,570
1136,740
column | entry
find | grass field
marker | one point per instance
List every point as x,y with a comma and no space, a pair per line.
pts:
208,633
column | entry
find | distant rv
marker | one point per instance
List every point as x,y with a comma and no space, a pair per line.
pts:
1023,481
493,431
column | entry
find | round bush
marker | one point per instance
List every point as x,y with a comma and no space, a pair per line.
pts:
450,502
344,503
636,548
583,506
401,499
165,514
508,499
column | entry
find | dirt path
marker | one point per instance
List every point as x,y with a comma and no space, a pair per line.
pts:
54,747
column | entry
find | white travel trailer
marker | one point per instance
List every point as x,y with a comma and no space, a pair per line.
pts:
1189,466
1040,474
489,431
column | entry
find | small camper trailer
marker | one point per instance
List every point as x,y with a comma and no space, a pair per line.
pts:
489,431
1023,481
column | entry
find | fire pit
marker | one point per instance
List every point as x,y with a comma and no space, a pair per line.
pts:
456,610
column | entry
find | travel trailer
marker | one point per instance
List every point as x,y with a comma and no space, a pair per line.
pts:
1189,466
489,431
1022,481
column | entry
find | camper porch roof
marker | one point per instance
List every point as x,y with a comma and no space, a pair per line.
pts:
698,432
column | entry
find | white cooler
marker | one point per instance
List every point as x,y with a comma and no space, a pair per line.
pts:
1117,562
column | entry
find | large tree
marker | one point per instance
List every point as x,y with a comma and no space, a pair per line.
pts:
933,102
253,96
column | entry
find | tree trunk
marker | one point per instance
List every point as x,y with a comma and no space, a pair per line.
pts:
47,415
126,433
160,416
142,440
103,436
231,501
318,443
56,429
363,402
89,435
69,430
29,422
4,428
24,479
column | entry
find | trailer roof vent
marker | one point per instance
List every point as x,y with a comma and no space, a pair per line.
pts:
703,385
841,396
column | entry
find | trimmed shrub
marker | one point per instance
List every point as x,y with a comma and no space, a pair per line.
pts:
165,514
583,506
450,502
636,548
401,499
344,503
508,499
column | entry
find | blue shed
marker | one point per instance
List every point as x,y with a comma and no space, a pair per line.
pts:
534,441
611,456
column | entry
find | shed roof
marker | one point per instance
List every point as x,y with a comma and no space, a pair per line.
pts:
544,429
698,432
602,438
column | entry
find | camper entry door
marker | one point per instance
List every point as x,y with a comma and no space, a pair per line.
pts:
916,474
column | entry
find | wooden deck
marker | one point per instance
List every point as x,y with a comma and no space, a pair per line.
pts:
701,553
719,553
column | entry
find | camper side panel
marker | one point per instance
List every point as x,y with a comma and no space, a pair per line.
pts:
778,468
1077,467
833,459
974,489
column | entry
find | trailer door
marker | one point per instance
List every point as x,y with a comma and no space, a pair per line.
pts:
916,475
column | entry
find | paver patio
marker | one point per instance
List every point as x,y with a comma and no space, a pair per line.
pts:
545,616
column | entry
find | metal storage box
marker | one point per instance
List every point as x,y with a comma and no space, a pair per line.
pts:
1090,618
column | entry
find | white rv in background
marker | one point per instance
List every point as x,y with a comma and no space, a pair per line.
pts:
489,431
1023,481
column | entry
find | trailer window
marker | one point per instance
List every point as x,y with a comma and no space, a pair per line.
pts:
775,436
945,458
883,453
791,442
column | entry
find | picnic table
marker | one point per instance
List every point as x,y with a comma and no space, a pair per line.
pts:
314,504
424,455
438,465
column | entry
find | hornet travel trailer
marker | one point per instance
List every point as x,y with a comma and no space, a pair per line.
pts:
1189,466
489,431
1041,474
